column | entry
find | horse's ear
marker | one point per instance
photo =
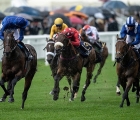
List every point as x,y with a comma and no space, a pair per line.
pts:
117,36
47,39
125,38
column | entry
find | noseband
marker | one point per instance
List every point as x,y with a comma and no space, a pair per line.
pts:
11,50
52,52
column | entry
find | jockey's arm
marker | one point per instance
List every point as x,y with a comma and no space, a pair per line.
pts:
123,32
21,33
137,40
76,41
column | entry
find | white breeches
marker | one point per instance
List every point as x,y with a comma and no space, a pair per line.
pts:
130,39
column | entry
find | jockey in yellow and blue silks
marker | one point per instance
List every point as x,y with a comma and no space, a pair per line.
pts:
18,25
131,29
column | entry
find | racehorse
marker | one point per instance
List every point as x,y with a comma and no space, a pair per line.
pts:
71,64
127,69
104,54
15,67
52,59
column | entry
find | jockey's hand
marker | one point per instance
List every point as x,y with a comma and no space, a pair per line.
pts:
18,41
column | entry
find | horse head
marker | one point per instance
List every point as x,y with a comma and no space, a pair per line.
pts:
50,50
122,49
9,43
61,43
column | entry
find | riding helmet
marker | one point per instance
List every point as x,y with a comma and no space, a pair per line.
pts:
58,21
130,21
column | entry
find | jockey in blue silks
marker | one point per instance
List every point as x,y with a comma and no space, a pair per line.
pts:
131,29
18,25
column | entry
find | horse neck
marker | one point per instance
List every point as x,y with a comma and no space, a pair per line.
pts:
69,52
127,58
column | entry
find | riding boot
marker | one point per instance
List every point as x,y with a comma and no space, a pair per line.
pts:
97,44
26,51
83,51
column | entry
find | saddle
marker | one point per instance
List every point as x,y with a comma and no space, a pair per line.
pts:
84,49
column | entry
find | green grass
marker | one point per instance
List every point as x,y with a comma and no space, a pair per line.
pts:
101,103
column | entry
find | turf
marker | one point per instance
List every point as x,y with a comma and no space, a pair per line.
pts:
101,103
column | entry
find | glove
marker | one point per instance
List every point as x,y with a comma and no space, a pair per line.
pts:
130,44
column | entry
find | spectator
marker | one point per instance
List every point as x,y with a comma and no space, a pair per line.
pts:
112,24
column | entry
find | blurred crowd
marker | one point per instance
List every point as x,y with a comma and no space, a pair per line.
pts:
103,18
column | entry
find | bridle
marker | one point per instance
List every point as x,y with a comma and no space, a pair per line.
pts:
52,53
64,47
121,58
9,45
11,50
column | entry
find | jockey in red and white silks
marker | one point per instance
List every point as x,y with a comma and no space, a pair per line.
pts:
91,33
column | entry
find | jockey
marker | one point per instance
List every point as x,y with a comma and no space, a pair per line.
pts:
93,36
58,26
74,36
131,29
18,25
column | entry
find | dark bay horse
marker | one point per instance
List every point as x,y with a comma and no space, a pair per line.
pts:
127,69
52,59
104,54
71,64
15,67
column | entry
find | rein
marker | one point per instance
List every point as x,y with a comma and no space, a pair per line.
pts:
130,62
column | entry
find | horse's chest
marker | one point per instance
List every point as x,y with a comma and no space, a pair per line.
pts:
9,68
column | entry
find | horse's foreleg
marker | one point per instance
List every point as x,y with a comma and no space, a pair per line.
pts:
13,83
56,88
5,90
87,83
126,88
75,87
118,91
70,88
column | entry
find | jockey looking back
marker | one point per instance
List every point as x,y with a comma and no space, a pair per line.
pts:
58,26
18,25
93,36
131,29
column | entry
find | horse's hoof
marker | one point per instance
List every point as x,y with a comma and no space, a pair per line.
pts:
2,99
11,100
55,98
70,99
83,99
128,104
118,93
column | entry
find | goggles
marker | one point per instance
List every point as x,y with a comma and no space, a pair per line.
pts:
59,25
130,25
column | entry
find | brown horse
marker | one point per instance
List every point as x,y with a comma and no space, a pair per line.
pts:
71,64
52,59
15,67
127,69
104,54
